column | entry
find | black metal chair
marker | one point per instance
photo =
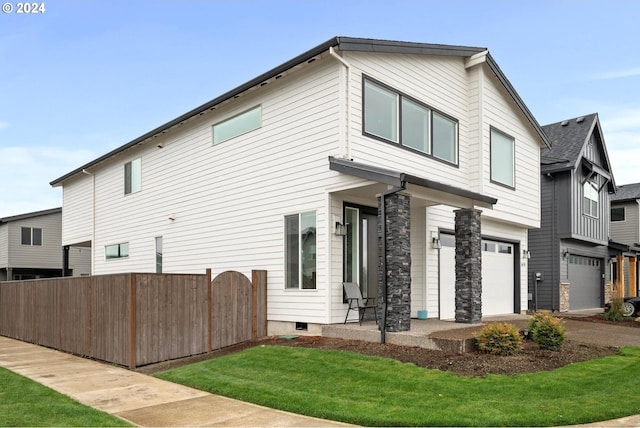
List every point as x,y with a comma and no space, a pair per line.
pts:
357,302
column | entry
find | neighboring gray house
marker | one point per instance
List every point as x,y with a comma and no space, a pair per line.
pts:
572,248
625,228
31,247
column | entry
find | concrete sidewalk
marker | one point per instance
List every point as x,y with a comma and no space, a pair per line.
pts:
142,400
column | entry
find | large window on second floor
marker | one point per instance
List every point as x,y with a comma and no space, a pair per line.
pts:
31,236
502,158
590,198
397,118
132,176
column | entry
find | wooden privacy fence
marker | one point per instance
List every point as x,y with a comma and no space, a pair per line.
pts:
134,319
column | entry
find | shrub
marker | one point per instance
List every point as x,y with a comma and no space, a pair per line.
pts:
616,310
499,339
547,331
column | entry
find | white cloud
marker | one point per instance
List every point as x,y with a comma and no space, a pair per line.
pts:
617,74
27,172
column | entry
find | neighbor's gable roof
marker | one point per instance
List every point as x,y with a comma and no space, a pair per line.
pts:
343,44
30,215
627,192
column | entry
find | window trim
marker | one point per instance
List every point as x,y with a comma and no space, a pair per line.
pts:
234,117
403,96
300,261
129,190
594,186
31,242
624,214
120,255
513,165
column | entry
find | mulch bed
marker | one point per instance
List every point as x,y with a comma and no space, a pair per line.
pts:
529,359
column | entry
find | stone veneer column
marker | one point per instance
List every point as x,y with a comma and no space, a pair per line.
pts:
468,266
398,256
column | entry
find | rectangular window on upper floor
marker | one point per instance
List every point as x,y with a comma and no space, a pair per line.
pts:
31,236
502,158
116,251
394,117
590,198
237,125
618,214
132,176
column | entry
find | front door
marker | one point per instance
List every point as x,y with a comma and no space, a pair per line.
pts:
361,248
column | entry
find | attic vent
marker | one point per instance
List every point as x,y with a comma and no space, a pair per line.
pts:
564,123
580,120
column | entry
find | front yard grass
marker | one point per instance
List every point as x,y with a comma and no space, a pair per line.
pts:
24,402
372,391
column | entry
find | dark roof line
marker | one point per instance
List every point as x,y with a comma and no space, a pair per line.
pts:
30,215
345,44
401,179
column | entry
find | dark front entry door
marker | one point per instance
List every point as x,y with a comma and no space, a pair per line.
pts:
361,248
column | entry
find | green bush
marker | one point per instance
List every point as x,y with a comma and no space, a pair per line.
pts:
547,331
616,310
499,339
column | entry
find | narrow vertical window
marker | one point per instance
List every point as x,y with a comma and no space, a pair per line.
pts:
26,236
159,254
300,251
132,176
445,132
351,245
36,234
502,158
590,198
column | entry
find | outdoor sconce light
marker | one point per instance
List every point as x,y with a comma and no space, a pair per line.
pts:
435,241
172,217
565,253
340,229
526,254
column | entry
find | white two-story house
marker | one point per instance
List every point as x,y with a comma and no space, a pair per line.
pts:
287,173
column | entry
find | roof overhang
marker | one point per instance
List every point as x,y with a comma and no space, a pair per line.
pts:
401,180
344,44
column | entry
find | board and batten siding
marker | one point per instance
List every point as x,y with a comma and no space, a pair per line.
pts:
627,231
229,200
589,228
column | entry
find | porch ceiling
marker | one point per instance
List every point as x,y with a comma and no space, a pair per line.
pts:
429,191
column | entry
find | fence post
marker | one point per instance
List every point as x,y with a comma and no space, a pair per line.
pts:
209,309
132,321
254,304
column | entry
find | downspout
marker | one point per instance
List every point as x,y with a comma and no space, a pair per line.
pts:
93,219
383,326
346,148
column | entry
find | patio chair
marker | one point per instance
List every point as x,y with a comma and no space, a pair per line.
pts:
357,302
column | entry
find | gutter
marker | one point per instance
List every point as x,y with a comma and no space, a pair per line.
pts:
346,148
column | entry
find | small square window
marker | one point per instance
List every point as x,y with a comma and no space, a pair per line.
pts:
618,214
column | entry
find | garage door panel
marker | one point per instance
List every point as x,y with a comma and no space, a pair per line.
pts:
497,278
585,277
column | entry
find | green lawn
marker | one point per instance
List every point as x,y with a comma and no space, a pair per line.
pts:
353,388
24,402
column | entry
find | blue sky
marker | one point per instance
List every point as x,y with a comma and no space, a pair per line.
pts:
85,77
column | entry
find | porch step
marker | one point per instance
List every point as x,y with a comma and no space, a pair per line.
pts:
436,338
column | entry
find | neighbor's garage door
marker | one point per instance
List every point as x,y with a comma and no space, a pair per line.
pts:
585,277
497,278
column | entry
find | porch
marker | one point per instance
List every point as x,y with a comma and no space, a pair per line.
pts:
436,334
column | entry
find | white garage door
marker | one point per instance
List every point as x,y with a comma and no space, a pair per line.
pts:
497,278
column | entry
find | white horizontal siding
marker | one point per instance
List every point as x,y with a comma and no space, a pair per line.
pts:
4,245
439,82
522,205
77,210
229,200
